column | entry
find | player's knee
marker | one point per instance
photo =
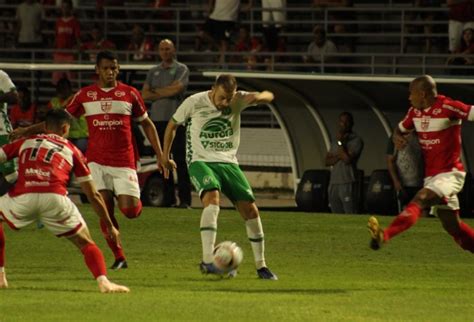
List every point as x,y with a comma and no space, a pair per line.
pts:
132,212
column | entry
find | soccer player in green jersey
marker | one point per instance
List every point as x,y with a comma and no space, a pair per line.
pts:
213,137
8,95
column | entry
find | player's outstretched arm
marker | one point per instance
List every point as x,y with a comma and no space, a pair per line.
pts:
264,97
152,136
170,134
97,202
27,131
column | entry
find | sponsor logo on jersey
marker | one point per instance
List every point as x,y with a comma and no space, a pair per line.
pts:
106,106
436,111
428,142
107,123
119,93
37,172
425,122
215,135
92,95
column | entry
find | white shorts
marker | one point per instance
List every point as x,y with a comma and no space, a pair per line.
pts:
57,213
447,185
121,181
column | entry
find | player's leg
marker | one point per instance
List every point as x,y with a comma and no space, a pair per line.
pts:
127,190
237,188
117,250
3,277
207,185
105,185
95,262
424,199
461,232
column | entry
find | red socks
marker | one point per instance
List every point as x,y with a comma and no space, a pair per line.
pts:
2,246
94,260
407,218
464,238
117,250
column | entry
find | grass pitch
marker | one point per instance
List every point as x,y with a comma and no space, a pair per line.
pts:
327,273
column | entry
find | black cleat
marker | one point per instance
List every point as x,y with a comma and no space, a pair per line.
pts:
119,264
266,274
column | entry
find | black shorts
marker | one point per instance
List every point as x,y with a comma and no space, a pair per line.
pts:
219,30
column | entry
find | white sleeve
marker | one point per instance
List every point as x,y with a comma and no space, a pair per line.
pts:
6,84
183,113
470,116
3,156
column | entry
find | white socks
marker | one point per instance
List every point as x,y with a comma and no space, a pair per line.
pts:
255,234
208,229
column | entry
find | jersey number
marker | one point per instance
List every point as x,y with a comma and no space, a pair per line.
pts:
49,155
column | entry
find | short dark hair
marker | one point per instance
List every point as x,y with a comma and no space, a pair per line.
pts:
227,81
105,54
57,117
349,116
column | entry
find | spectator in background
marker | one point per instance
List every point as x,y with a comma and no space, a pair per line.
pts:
250,45
97,43
273,19
461,16
464,56
336,22
140,45
29,16
427,17
68,39
78,132
320,47
165,85
23,113
41,111
405,165
223,16
342,157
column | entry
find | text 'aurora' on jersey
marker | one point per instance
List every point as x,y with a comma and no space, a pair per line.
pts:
215,134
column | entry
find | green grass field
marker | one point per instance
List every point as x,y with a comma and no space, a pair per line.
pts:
326,270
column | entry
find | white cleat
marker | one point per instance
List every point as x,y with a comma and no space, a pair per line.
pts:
109,287
3,280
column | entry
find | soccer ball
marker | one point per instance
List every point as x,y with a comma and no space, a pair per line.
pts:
227,256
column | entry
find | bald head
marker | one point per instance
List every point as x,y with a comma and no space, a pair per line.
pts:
423,92
167,51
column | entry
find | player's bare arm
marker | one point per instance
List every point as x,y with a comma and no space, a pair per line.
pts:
253,98
152,136
171,90
399,139
170,134
96,201
27,131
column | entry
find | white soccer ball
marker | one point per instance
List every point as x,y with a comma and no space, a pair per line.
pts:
227,256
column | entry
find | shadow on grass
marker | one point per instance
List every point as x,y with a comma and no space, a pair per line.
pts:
281,291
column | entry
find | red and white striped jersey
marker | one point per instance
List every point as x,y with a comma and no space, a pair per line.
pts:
109,113
44,164
439,133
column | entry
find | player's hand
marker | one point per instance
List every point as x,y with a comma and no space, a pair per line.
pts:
17,133
399,141
166,165
114,234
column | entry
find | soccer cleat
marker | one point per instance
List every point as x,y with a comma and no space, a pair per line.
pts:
119,264
109,287
266,274
209,269
376,233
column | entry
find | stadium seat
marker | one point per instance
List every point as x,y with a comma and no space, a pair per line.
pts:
381,197
312,191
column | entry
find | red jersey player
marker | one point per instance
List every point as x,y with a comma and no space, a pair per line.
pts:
436,119
45,162
110,107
